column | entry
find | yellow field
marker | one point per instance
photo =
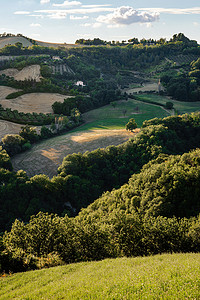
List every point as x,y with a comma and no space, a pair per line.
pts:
45,157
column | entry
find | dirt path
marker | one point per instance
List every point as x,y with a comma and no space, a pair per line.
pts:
45,157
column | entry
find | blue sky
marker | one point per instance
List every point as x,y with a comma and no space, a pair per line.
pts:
66,21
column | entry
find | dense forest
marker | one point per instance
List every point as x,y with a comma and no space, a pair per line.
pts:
162,192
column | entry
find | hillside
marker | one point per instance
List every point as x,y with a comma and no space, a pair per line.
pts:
173,276
4,41
12,40
28,73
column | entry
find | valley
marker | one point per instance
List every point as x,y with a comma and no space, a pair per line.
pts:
99,169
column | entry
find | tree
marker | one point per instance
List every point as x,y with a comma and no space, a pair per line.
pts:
131,125
169,105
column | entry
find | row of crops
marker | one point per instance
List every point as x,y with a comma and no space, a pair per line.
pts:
61,68
183,59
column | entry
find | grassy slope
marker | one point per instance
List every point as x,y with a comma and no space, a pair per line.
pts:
108,117
182,107
159,277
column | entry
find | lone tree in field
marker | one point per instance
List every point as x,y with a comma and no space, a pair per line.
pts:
131,125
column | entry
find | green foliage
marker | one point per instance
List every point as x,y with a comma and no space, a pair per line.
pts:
13,143
131,125
169,105
29,134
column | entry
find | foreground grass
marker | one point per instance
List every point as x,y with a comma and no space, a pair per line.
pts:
109,117
159,277
181,107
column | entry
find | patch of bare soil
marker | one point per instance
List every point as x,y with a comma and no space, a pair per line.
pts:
29,72
33,102
45,158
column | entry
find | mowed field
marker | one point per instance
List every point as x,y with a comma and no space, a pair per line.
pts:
45,157
167,277
29,103
29,72
8,128
104,126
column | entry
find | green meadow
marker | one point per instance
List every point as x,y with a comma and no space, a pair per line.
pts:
109,117
181,107
168,276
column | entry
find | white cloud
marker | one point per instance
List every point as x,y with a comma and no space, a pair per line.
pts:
44,1
78,18
37,16
35,25
21,12
196,24
96,5
68,3
173,11
58,15
83,11
126,15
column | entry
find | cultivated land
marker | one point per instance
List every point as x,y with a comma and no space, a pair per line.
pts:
169,276
5,91
28,103
9,128
105,127
29,72
26,43
13,40
45,157
33,102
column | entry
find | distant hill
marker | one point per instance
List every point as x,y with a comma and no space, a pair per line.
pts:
26,42
4,41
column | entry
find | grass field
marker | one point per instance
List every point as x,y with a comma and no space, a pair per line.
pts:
171,277
108,117
181,107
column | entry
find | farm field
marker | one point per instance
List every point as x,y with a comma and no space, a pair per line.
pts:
168,276
29,72
105,126
5,91
8,128
46,156
145,87
181,107
32,102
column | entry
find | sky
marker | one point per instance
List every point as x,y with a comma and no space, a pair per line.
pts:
65,21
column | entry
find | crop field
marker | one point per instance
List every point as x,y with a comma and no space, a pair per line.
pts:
181,107
62,68
168,276
33,102
5,91
45,157
29,72
8,128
